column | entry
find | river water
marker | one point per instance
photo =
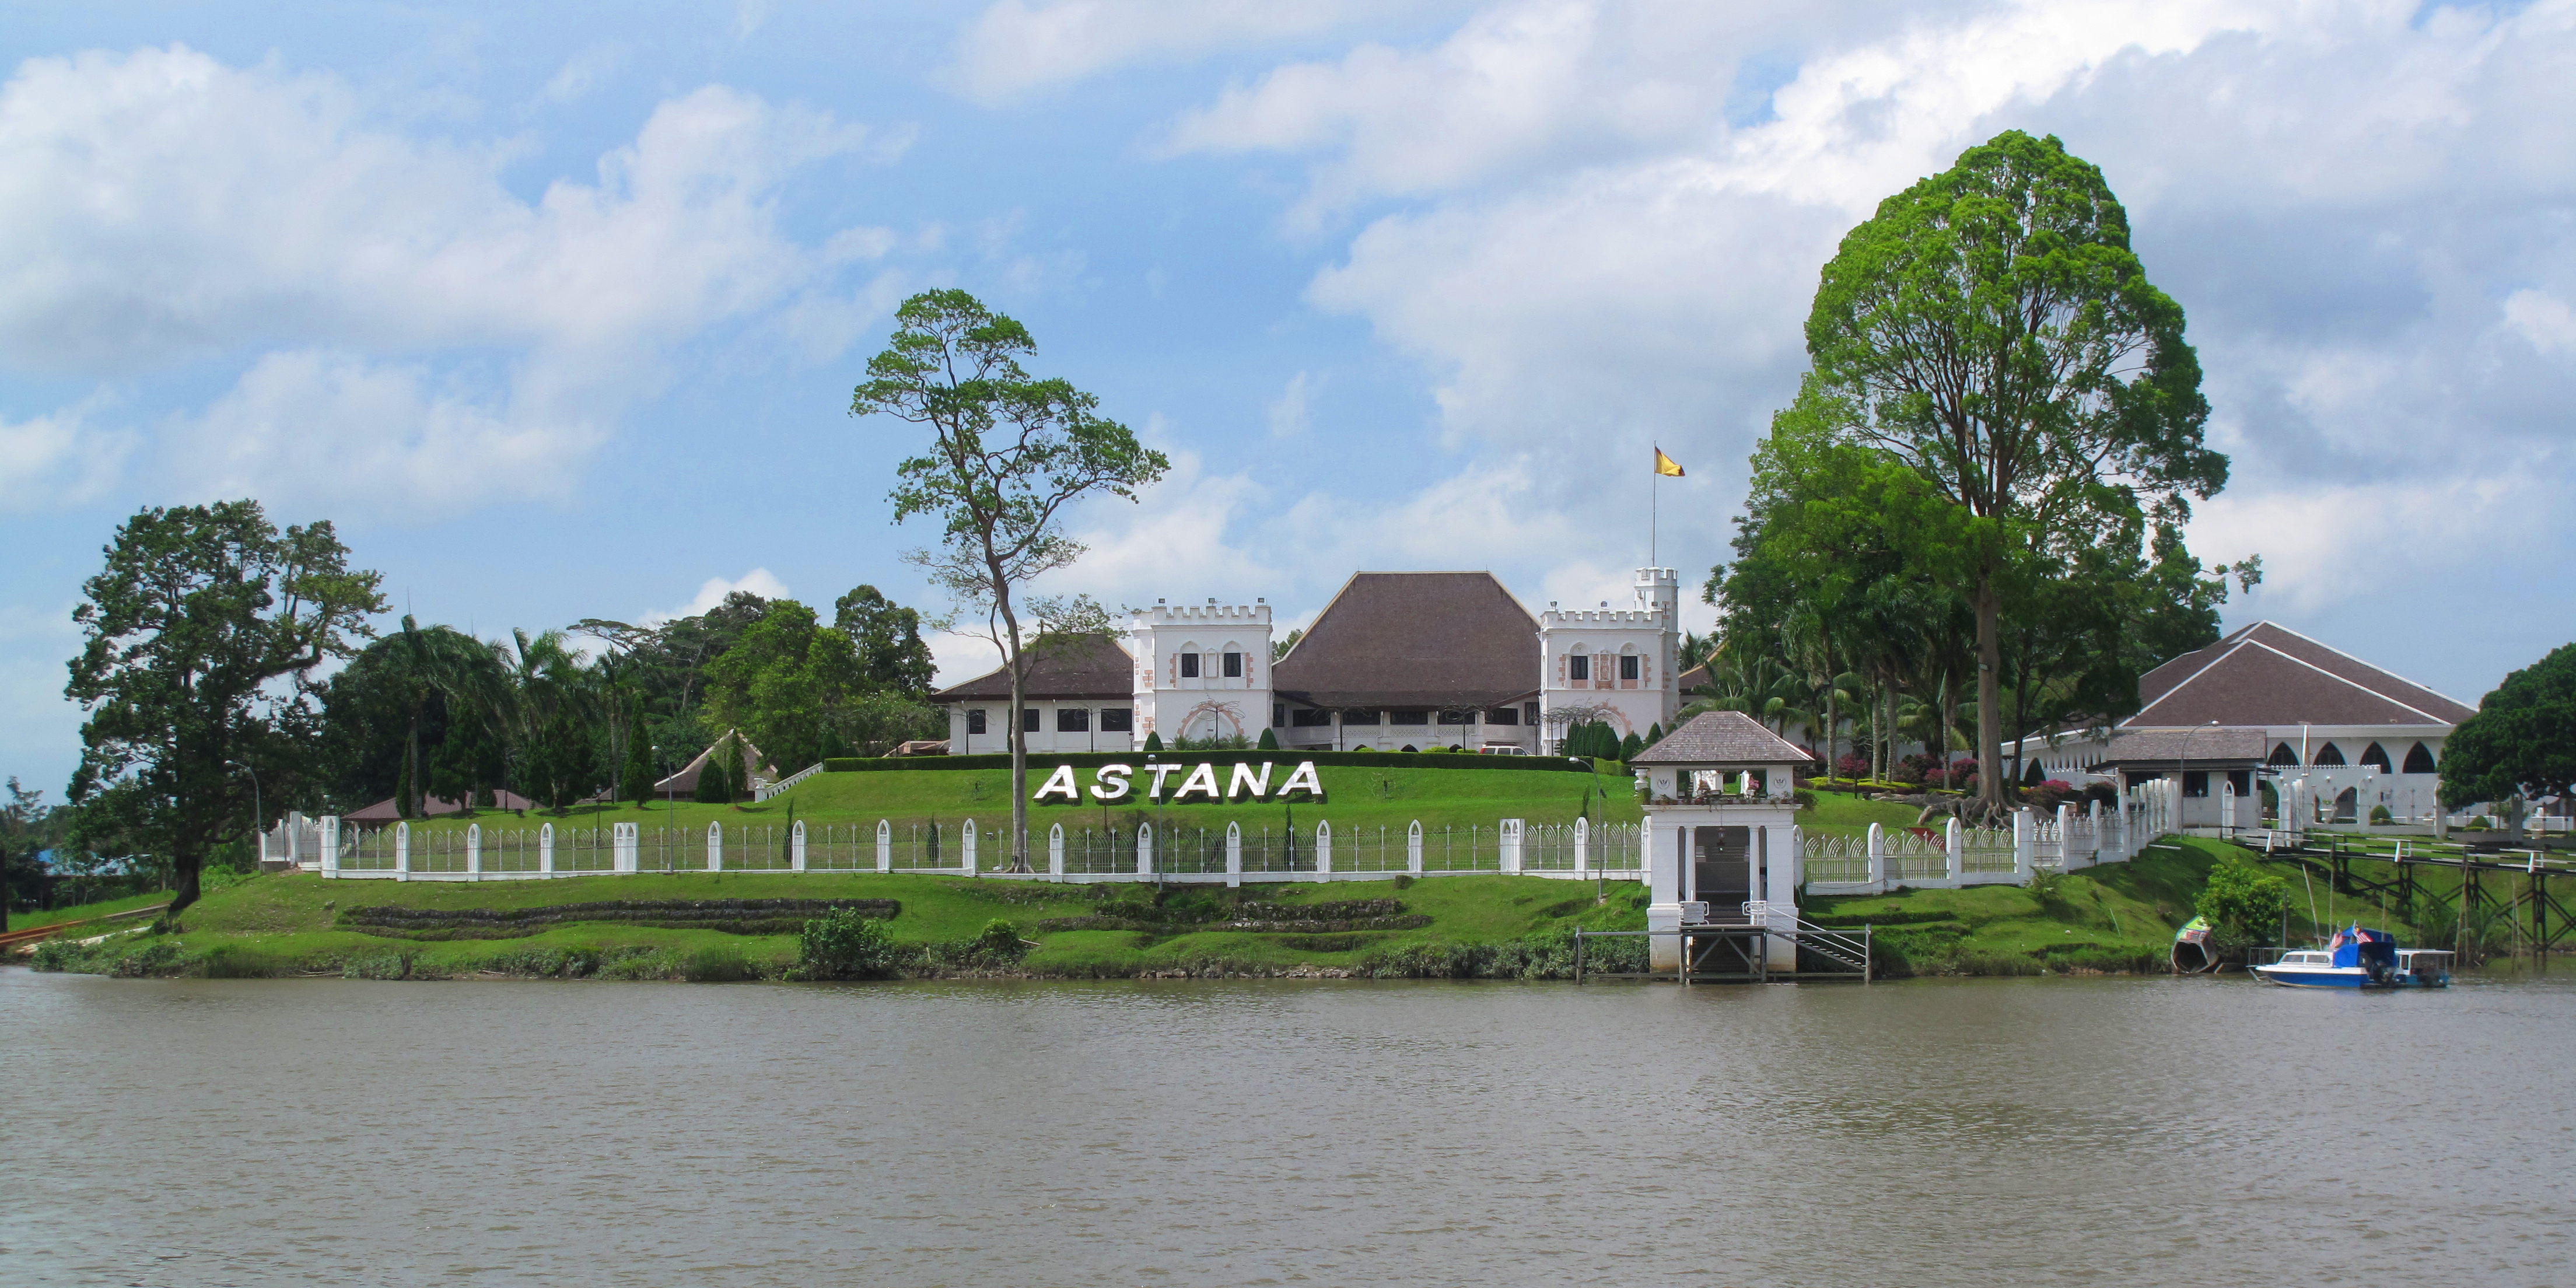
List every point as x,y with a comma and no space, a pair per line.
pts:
2105,1131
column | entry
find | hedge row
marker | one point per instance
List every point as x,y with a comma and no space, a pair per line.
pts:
1095,759
733,916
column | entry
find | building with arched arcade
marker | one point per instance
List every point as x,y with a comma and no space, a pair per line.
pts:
2335,733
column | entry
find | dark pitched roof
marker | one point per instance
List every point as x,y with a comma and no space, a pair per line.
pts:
1721,738
384,811
2203,745
1093,667
2267,674
1693,678
1415,639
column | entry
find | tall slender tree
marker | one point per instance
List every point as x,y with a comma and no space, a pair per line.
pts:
1009,454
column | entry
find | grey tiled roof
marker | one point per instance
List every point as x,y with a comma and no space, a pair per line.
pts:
1094,667
2148,748
1722,738
2267,674
1415,639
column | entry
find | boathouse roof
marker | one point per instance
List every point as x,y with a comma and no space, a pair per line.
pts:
1722,738
2203,746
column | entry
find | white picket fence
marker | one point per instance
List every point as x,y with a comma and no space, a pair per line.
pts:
1956,856
1576,851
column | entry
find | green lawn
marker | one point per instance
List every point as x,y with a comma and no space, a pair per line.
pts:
289,924
86,911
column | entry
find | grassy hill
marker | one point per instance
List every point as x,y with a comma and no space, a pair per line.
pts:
1354,796
1470,925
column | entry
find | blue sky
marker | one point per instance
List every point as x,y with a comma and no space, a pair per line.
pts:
555,310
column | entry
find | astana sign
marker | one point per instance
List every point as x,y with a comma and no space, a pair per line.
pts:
1114,782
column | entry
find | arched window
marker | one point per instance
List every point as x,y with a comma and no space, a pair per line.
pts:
2282,755
1578,666
2376,757
2329,754
2034,776
2419,760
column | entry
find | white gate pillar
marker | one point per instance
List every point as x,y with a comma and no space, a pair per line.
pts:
473,851
715,847
546,850
1582,846
1877,857
796,847
402,851
625,852
968,858
1144,849
1234,854
1508,844
1055,852
885,845
2066,838
1413,848
329,826
1324,850
1955,847
2025,846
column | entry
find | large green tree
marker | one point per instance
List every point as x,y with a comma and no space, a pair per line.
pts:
887,637
200,639
1009,455
1990,333
2521,745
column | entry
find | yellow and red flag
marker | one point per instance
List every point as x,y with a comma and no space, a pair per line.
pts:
1667,466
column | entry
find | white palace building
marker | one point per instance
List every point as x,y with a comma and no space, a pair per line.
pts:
1397,661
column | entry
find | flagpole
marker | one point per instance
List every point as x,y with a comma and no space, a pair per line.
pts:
1654,516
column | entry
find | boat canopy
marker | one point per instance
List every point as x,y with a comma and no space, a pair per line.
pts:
2356,947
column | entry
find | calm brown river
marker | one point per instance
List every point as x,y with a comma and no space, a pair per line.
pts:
1931,1132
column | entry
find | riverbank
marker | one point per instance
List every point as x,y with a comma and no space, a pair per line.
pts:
733,926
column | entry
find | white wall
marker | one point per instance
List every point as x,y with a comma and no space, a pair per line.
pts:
995,740
1645,629
1211,703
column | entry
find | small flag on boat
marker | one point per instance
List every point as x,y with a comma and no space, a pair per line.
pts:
1667,466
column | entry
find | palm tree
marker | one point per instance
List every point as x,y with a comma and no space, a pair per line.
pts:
432,662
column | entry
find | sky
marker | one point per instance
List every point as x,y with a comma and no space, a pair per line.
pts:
555,310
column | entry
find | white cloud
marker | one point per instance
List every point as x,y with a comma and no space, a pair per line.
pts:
2399,542
58,460
1289,414
309,423
1016,47
712,591
193,212
2541,319
1591,245
583,72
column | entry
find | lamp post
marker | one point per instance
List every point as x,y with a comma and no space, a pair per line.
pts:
1600,883
2182,755
258,817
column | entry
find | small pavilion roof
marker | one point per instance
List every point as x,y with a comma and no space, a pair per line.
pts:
2204,746
1722,738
